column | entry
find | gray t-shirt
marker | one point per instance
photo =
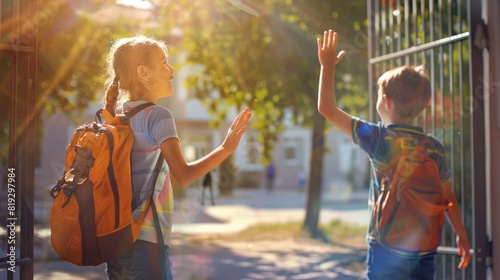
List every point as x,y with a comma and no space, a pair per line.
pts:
151,127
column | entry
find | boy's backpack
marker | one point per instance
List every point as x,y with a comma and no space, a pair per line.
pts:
91,217
409,212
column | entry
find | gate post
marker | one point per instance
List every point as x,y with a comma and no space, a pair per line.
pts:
477,97
494,129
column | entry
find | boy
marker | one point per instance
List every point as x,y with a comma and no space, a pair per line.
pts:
403,94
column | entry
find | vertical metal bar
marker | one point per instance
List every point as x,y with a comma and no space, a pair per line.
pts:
13,128
452,98
379,40
371,39
376,37
1,19
390,16
478,140
383,32
407,28
462,106
493,6
441,69
441,88
29,218
432,72
27,165
22,138
415,29
28,152
398,30
423,58
378,45
422,15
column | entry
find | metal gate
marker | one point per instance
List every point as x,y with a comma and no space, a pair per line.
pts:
17,136
445,37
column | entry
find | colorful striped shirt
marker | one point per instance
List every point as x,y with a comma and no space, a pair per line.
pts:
379,142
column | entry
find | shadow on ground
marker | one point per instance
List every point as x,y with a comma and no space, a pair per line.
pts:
239,261
268,260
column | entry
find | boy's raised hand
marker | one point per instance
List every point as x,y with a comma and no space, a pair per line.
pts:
327,49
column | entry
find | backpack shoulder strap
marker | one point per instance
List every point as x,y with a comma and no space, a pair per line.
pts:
99,118
405,145
137,109
159,235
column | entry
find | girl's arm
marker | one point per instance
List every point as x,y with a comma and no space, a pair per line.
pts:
186,173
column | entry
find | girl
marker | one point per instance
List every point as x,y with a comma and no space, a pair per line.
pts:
139,72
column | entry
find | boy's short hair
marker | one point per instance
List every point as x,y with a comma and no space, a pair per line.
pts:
409,88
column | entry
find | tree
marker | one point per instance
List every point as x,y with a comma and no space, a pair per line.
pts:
72,45
263,55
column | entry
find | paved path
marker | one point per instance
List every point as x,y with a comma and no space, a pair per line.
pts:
241,261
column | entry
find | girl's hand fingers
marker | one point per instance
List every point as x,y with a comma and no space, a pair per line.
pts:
240,115
242,119
245,115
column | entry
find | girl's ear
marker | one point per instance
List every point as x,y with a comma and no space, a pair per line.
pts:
143,74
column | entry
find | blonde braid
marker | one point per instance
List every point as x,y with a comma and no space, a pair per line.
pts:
111,96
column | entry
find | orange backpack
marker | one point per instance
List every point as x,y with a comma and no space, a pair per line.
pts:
409,212
91,217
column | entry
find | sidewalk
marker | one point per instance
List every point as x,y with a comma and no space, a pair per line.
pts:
247,207
238,261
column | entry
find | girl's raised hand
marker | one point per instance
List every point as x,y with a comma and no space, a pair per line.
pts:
236,130
327,49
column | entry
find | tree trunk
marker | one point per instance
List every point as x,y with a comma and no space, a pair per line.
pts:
226,176
315,177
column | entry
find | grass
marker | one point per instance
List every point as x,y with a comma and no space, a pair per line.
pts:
335,232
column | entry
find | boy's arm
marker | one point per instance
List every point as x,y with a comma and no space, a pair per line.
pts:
453,214
327,103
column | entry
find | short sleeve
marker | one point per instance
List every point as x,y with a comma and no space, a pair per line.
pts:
366,135
161,125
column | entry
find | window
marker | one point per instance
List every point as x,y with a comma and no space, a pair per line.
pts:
292,151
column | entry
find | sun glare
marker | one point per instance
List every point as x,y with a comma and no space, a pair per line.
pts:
138,4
